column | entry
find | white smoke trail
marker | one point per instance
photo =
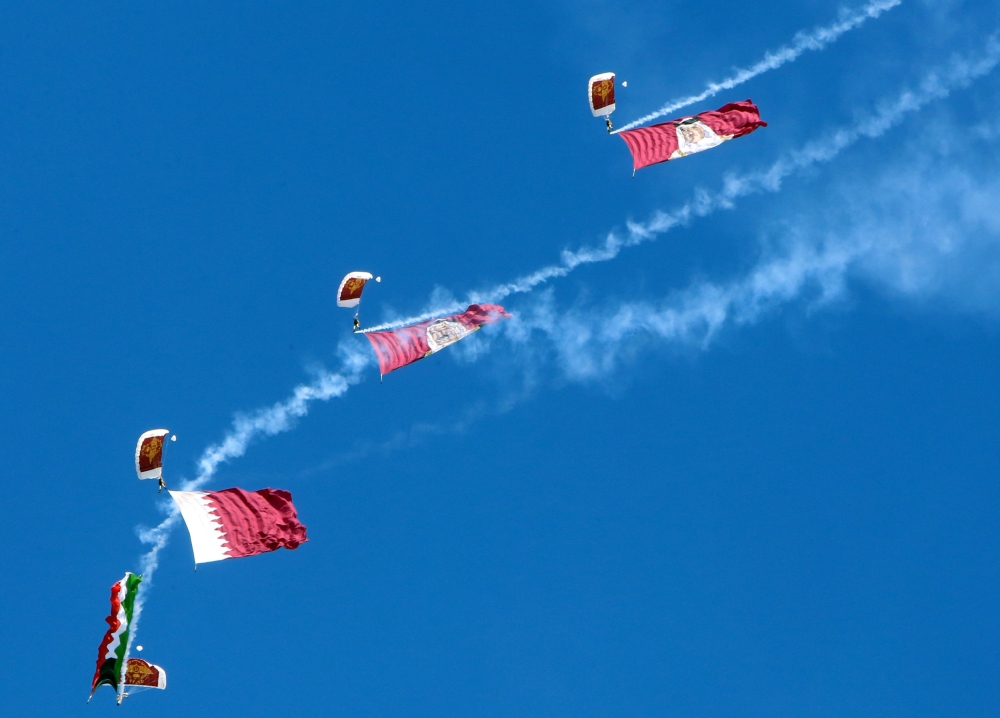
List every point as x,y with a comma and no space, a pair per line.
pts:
705,308
936,85
924,227
589,344
815,40
272,420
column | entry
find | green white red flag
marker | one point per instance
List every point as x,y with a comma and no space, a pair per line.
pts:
111,654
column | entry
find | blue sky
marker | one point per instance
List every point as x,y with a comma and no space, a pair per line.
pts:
746,467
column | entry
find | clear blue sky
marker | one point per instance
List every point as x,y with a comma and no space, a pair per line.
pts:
793,514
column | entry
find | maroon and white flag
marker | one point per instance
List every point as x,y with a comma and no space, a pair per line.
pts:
688,135
232,523
399,347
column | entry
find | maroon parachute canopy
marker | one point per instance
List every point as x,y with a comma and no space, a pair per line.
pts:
142,674
406,345
679,138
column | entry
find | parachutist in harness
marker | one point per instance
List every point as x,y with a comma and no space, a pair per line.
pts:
162,483
349,293
607,119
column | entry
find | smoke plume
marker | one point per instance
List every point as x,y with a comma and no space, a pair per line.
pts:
815,40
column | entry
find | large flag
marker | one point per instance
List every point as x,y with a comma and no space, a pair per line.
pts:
679,138
233,523
406,345
111,654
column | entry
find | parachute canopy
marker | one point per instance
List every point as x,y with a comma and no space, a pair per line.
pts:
688,135
399,347
349,293
601,92
140,674
149,454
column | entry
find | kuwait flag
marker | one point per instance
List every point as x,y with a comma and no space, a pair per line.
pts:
111,654
232,523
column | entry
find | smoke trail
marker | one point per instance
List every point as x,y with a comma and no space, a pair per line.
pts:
936,85
272,420
589,344
921,228
815,40
704,309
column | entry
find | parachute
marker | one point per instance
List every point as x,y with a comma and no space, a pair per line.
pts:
601,93
349,292
141,675
398,347
149,455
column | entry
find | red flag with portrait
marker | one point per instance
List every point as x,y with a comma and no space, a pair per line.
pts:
399,347
688,135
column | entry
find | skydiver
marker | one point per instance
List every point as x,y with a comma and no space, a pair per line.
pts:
357,324
607,119
162,483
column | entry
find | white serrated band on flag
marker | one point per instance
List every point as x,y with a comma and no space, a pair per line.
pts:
207,537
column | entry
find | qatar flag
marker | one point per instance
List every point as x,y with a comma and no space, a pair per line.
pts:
399,347
688,135
232,523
